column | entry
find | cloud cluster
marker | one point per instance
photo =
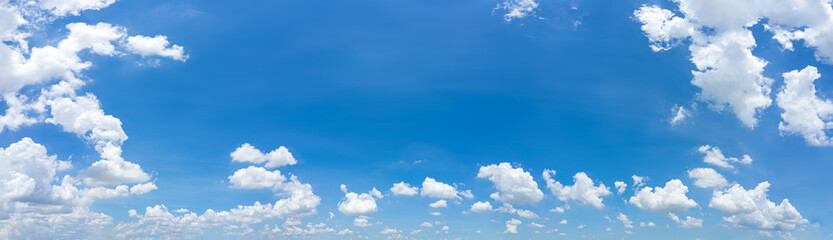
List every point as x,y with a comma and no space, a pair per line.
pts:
40,196
730,75
751,209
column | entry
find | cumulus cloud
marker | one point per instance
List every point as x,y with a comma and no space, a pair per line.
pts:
403,188
155,46
359,203
256,177
74,7
512,226
751,209
583,190
514,185
38,201
620,186
439,204
669,199
276,158
715,157
433,188
707,178
481,207
805,113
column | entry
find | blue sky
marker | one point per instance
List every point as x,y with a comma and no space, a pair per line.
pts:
157,113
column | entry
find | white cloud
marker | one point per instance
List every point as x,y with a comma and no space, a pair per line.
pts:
158,222
256,177
403,188
671,198
344,232
752,209
36,201
679,114
438,204
276,158
517,9
426,224
638,181
805,113
358,203
481,207
537,225
689,221
620,186
583,189
508,208
432,188
73,7
715,157
362,221
707,178
625,221
721,45
155,46
512,226
514,185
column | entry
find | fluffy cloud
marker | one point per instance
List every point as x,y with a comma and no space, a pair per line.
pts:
751,209
512,226
514,185
715,157
481,207
805,113
432,188
671,198
583,189
359,203
256,177
721,46
33,204
439,204
517,9
276,158
73,7
620,186
155,46
403,188
158,221
707,178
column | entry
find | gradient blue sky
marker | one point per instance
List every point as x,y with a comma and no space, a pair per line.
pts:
371,93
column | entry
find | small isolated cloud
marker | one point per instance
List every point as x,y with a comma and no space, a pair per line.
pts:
707,178
715,157
404,189
517,9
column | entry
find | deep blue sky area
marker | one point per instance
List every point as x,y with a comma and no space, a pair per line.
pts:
360,90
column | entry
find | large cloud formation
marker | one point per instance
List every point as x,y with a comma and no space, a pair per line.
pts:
729,75
43,197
